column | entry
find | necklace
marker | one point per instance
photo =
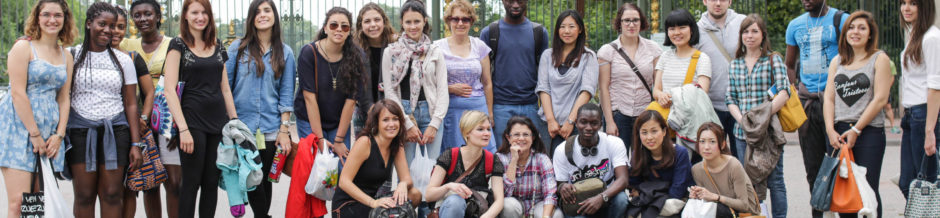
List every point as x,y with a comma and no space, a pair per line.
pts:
329,65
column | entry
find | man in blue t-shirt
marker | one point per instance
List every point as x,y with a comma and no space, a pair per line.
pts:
813,38
515,67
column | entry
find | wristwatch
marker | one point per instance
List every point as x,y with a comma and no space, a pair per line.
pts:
569,121
604,196
139,145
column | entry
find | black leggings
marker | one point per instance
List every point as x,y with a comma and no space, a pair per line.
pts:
260,198
200,172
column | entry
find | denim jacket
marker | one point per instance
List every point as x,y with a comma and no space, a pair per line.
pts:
260,101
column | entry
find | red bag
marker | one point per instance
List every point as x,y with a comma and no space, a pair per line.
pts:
845,195
299,203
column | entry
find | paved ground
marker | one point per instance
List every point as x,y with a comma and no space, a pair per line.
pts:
797,187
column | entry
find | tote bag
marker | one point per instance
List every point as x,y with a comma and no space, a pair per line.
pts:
845,195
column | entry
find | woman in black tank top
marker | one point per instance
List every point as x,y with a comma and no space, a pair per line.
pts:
368,165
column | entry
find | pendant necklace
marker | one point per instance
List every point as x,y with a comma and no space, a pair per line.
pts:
330,66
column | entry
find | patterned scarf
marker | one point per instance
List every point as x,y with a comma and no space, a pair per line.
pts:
402,53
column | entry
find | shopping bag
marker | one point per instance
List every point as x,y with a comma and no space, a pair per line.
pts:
821,195
845,195
33,202
323,176
697,208
923,196
421,167
55,204
869,199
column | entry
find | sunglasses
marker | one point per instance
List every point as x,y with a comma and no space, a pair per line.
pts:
344,27
460,19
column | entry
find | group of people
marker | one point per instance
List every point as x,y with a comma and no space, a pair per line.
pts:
507,115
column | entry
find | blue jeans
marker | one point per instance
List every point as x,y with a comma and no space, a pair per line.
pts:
423,116
304,129
625,127
775,182
616,207
503,112
727,123
912,148
869,152
453,207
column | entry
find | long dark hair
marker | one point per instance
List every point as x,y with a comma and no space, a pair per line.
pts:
846,52
94,10
574,57
388,34
537,145
416,6
640,163
926,14
351,63
371,127
253,43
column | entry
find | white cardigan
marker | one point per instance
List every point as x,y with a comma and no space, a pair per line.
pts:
433,83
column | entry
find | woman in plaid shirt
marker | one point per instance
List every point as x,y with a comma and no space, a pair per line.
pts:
758,75
529,179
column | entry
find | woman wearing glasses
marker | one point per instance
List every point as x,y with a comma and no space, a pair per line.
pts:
330,69
626,72
529,180
468,72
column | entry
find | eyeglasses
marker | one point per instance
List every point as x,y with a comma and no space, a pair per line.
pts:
520,135
343,27
55,15
626,21
466,20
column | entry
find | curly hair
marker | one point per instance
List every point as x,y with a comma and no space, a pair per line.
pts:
462,5
388,34
351,65
68,32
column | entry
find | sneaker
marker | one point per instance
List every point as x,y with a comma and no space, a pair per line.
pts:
895,130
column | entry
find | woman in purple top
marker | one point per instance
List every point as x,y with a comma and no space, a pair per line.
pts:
468,73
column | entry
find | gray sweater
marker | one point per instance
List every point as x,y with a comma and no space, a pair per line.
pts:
728,36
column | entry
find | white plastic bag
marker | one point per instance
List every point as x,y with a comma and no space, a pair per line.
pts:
324,167
55,205
869,199
421,167
697,208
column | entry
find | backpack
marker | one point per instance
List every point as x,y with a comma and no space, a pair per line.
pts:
538,32
837,22
487,161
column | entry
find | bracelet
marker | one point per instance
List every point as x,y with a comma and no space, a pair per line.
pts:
856,130
285,132
139,145
144,117
719,199
185,130
36,135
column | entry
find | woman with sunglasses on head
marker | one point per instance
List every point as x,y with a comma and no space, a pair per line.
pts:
567,76
145,87
626,72
104,143
197,60
378,148
330,70
263,69
920,92
530,178
859,123
468,72
152,48
414,75
373,33
33,116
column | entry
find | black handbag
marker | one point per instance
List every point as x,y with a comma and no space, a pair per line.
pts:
34,201
405,210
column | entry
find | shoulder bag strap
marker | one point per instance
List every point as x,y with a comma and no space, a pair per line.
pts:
569,150
721,47
467,172
733,213
690,73
316,84
633,66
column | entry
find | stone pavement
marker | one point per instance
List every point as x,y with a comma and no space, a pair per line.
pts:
798,193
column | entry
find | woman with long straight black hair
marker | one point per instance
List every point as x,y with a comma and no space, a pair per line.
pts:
261,75
104,99
195,64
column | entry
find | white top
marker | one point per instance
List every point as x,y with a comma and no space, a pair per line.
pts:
97,91
917,78
611,153
675,68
